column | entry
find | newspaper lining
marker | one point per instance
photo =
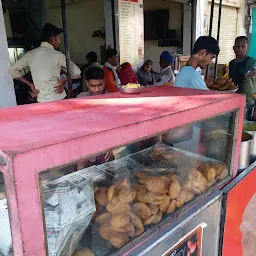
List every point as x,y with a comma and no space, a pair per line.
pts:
68,207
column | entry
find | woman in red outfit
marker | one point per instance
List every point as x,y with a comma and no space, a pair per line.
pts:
126,75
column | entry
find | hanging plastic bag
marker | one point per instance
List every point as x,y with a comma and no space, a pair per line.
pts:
249,84
248,228
249,89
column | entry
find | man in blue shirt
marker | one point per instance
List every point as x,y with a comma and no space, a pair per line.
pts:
206,48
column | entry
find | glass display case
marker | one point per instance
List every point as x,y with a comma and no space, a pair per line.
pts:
116,169
111,199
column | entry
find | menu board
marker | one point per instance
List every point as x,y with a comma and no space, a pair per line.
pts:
190,245
131,31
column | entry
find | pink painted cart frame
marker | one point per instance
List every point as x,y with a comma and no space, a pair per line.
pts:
39,137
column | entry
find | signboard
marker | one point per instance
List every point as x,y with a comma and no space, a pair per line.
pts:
131,31
190,245
240,226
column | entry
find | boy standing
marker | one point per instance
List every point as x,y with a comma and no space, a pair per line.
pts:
206,48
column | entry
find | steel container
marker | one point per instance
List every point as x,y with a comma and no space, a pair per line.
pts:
250,127
216,143
131,90
245,147
249,112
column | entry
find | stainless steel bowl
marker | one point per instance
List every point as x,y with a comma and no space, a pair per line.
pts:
131,90
178,135
250,127
249,112
234,90
245,147
215,145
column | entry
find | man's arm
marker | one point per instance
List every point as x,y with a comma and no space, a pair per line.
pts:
163,80
15,69
74,70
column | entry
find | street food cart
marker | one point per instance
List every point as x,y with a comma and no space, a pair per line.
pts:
119,174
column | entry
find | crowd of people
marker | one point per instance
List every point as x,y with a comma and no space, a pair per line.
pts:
114,76
48,69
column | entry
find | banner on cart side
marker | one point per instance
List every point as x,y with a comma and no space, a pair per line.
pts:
240,226
189,245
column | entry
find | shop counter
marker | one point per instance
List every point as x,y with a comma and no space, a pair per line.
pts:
118,174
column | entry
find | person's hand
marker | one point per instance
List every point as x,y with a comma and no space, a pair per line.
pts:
82,164
108,156
168,84
59,88
34,92
252,73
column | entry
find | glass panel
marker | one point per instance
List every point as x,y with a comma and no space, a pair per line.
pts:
6,248
103,202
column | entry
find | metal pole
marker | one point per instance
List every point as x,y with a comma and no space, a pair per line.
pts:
113,22
218,38
43,13
64,24
192,25
211,18
210,29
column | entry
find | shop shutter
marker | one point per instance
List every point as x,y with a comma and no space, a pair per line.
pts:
228,30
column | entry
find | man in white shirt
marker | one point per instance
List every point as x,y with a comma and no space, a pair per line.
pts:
167,75
206,48
45,64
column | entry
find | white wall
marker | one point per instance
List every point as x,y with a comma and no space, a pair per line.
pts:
83,18
7,95
108,23
8,26
152,51
186,29
200,12
241,31
241,8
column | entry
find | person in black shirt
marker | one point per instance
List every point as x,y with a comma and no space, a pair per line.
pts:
242,66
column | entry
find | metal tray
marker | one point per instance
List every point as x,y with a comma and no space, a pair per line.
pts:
234,90
131,90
